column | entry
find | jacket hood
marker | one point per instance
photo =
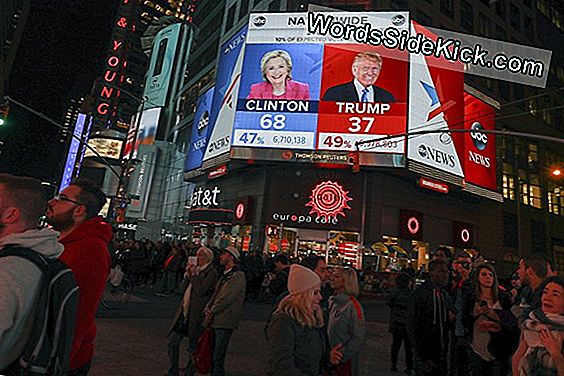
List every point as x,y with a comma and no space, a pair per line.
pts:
43,241
94,227
340,299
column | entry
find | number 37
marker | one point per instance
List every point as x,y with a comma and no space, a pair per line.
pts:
357,124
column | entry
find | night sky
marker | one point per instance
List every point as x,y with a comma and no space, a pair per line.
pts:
63,47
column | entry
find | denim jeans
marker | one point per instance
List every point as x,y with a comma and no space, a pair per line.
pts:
174,341
221,342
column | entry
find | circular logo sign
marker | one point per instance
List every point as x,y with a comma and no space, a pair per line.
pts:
259,21
422,150
329,199
203,122
398,20
413,225
465,235
240,210
479,139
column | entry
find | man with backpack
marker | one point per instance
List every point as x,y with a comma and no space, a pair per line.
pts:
85,236
27,258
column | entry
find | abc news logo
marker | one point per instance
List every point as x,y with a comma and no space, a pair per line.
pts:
480,140
259,21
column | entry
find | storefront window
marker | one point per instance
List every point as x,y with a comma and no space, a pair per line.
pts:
555,199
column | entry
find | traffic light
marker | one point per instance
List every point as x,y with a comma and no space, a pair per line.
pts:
4,111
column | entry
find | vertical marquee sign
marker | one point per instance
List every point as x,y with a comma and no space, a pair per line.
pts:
107,91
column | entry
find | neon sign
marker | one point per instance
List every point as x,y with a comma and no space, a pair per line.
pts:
329,200
108,92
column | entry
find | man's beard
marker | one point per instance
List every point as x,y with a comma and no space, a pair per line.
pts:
61,222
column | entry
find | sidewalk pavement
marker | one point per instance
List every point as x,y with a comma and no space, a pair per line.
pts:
135,346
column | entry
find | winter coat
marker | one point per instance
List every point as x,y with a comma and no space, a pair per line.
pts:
203,286
399,302
429,326
503,343
19,283
226,304
293,349
86,254
347,327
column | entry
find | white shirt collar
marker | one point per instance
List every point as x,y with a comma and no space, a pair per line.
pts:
359,89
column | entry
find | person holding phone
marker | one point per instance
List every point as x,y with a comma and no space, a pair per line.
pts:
492,328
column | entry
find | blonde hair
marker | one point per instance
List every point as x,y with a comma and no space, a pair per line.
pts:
298,307
350,280
272,55
372,56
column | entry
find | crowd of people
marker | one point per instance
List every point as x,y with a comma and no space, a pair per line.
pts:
462,321
456,317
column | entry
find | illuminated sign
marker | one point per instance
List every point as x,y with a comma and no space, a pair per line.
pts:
114,70
105,147
433,185
200,134
303,93
148,125
411,225
218,172
462,234
243,210
205,197
68,172
160,66
329,200
240,210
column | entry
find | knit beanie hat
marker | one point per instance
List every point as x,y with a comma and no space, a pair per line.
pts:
302,279
208,252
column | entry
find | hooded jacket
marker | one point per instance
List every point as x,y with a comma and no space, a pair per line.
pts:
86,254
429,327
19,283
347,326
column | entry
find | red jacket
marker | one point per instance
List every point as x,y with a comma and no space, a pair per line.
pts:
86,254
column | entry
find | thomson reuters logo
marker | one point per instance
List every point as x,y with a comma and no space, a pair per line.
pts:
479,139
259,21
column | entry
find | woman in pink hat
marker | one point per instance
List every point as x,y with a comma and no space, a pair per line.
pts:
295,335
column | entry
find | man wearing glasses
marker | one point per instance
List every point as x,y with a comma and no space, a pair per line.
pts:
74,213
366,68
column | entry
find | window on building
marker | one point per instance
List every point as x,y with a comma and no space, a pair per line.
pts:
504,89
500,8
230,17
275,5
528,3
243,8
483,24
447,7
515,16
531,193
533,155
555,199
508,182
466,15
500,32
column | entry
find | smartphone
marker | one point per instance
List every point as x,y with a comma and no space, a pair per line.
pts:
483,303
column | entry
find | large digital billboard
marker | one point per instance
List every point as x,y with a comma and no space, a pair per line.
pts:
147,128
200,132
70,164
227,82
160,68
300,92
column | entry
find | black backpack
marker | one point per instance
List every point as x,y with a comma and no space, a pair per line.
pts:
47,350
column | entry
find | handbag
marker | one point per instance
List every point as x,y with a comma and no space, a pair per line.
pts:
204,352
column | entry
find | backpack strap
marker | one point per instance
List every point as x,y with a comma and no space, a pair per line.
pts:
26,253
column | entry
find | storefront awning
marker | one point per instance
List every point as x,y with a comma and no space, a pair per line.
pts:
216,216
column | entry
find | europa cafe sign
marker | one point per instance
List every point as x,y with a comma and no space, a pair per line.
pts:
114,68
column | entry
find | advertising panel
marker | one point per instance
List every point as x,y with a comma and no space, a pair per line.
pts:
436,103
230,62
73,152
148,125
160,67
130,139
105,147
317,93
323,200
140,181
200,132
479,147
